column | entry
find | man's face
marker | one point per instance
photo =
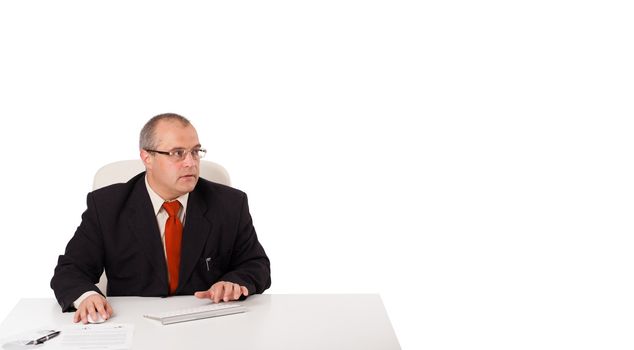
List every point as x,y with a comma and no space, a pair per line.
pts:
171,178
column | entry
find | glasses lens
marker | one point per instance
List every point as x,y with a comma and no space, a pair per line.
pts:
179,154
199,153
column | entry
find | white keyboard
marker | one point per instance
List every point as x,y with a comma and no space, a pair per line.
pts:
196,313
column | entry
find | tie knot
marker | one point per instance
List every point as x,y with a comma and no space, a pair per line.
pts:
172,207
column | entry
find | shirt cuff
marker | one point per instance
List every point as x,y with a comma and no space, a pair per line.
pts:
81,298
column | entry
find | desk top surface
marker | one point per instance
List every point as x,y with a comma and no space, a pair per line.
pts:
272,321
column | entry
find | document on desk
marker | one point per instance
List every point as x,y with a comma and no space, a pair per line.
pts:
74,337
96,337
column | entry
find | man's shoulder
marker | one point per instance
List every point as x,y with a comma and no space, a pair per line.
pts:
205,186
223,199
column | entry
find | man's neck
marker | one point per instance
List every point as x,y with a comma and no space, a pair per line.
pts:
161,194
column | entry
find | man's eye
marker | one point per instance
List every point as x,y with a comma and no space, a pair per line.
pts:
179,153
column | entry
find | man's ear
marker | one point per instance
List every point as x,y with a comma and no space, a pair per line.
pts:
146,157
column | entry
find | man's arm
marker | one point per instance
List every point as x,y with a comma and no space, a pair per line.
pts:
249,269
249,265
81,265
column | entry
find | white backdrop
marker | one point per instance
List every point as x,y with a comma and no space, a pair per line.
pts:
469,161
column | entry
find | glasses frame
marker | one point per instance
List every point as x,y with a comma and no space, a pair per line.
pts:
195,153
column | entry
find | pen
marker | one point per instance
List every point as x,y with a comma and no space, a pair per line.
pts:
44,338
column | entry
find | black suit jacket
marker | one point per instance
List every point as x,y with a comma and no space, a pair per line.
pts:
119,232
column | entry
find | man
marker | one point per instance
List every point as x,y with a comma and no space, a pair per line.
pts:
164,232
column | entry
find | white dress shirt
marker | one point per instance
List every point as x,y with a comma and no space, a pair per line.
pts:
161,218
161,213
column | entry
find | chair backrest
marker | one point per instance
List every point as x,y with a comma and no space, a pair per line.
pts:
124,170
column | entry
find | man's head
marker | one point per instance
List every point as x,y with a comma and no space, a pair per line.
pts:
169,149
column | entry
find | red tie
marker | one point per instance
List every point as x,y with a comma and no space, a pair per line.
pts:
173,238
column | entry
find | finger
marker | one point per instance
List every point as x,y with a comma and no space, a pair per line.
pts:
90,308
92,312
236,291
244,290
228,292
213,291
109,309
218,291
102,311
203,294
76,317
82,314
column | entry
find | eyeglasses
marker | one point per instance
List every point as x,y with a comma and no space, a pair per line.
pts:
178,155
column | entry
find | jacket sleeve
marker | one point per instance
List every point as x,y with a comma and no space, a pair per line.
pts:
249,265
81,266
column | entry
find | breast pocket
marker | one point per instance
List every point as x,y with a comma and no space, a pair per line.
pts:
215,266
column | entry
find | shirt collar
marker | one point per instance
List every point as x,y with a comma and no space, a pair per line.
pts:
157,201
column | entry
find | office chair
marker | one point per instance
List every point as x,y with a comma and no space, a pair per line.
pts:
124,170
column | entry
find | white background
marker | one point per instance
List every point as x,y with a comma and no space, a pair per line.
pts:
471,161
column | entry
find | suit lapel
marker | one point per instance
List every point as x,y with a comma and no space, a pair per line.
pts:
195,234
145,228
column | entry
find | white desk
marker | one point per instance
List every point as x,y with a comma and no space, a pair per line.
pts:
320,322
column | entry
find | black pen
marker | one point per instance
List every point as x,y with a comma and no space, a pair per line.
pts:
44,338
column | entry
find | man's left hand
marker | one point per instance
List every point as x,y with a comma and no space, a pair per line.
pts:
225,291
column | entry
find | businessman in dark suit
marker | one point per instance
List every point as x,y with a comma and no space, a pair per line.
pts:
164,232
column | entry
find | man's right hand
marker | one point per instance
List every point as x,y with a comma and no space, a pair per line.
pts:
92,305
